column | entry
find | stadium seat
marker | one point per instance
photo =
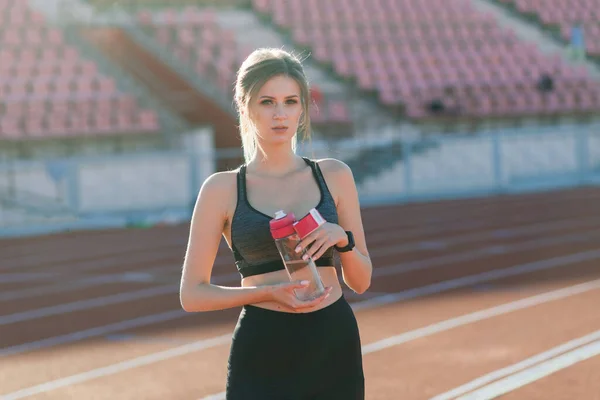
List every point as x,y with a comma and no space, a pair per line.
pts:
562,15
409,52
42,78
195,38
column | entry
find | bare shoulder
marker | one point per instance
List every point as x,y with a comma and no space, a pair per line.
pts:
219,190
339,178
335,170
220,182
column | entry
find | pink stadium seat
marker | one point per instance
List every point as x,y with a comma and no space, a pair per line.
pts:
47,88
214,52
103,124
148,120
405,49
9,128
338,111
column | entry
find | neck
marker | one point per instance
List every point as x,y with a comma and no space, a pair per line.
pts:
275,163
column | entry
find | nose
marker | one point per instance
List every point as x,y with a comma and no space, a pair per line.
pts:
279,113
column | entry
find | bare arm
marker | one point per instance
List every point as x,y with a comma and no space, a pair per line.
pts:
206,228
356,264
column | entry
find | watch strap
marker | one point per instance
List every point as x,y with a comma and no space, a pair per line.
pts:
349,246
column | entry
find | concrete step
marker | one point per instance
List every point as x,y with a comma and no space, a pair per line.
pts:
253,32
532,33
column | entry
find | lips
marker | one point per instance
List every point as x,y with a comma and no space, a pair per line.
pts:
280,129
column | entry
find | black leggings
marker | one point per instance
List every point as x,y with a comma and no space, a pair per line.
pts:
289,356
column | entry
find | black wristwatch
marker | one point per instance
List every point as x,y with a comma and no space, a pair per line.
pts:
349,246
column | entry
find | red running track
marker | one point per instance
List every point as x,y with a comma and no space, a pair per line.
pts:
485,297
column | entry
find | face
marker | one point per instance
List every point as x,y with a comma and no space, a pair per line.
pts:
276,110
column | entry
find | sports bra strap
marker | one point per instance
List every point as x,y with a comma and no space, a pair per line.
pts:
318,174
241,183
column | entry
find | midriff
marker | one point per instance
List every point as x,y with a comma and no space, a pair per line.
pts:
328,276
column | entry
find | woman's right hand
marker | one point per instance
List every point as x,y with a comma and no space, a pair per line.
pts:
283,293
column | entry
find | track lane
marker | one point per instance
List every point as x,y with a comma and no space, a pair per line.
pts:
580,381
435,221
437,363
375,324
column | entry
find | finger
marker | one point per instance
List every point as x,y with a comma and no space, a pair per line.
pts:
315,301
296,285
315,247
326,292
304,243
321,251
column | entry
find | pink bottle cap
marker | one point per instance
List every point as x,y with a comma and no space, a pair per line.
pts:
282,225
309,223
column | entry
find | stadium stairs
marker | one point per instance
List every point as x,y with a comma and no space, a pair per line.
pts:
197,100
150,66
527,28
369,120
171,122
121,47
557,29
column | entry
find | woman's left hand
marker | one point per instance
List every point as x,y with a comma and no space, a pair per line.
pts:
320,240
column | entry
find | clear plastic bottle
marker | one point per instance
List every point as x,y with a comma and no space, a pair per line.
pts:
287,239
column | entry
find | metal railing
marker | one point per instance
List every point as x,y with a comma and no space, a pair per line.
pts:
152,187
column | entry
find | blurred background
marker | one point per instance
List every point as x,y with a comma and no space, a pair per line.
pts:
113,113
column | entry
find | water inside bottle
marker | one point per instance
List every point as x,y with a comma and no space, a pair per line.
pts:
300,270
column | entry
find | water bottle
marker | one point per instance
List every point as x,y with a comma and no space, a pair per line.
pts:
287,233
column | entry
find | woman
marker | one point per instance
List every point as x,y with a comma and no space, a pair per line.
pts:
282,348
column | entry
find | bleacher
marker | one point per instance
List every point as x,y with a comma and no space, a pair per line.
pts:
413,54
562,16
49,90
194,37
410,56
132,5
414,57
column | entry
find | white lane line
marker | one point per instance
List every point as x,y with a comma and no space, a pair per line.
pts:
389,298
84,304
468,319
26,276
147,275
63,287
220,279
534,373
377,272
93,332
83,257
484,252
119,367
520,366
370,348
479,278
480,316
471,255
492,233
452,227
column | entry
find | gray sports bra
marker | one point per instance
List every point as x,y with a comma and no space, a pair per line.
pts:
253,247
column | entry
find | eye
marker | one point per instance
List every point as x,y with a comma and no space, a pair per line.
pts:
292,101
265,102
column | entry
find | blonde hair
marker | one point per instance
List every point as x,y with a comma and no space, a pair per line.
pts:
260,66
